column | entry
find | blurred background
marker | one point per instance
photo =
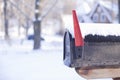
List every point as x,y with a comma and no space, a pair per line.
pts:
31,35
20,15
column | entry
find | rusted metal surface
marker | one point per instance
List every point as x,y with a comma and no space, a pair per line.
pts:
101,54
93,55
99,73
116,78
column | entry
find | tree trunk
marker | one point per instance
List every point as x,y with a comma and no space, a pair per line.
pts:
119,11
27,26
37,31
37,27
6,20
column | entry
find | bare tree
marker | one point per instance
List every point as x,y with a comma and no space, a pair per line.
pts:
37,29
119,10
37,22
5,20
23,12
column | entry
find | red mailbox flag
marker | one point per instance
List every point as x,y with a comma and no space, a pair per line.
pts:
77,32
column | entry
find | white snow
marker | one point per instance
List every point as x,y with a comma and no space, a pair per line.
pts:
18,61
82,7
100,29
36,10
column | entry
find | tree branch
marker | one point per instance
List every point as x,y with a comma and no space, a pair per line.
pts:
45,14
19,10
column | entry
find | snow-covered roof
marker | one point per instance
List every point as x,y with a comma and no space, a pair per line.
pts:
111,6
102,7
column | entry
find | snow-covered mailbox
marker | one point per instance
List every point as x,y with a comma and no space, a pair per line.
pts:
93,50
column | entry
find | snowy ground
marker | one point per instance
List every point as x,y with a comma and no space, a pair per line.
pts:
18,61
